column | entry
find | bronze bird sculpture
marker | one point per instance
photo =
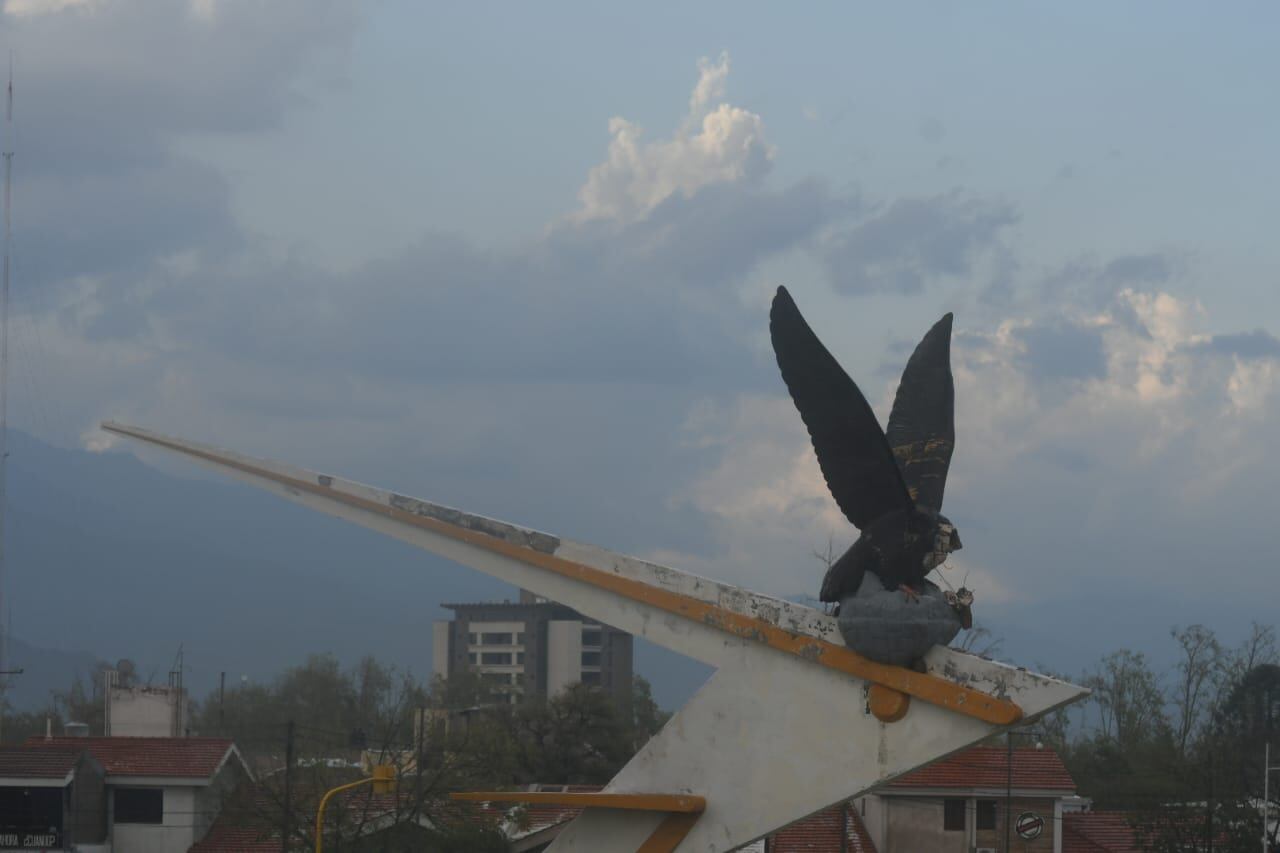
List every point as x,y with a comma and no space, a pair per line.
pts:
888,483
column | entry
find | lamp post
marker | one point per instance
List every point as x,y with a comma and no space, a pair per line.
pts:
383,781
1267,770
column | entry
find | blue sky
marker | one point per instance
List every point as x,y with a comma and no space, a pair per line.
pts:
518,258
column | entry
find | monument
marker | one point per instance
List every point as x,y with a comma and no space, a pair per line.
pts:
794,719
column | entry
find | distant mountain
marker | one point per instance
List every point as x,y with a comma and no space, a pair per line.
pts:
121,560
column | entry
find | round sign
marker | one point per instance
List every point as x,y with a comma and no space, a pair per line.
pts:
1029,825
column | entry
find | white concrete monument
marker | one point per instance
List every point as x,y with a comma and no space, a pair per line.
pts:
791,722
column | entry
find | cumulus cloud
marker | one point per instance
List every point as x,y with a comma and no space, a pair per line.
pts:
715,144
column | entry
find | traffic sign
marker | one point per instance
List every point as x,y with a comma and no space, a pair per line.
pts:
1029,825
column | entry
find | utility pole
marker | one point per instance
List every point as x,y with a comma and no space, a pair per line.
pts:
1266,794
222,709
1208,818
1008,791
286,822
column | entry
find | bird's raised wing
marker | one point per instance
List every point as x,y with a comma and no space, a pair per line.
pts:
922,427
855,457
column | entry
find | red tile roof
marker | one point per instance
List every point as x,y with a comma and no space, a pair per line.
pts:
820,833
196,757
225,838
1098,832
17,762
987,767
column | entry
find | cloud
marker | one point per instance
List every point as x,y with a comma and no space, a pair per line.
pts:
914,242
715,144
32,8
1063,350
105,92
1257,344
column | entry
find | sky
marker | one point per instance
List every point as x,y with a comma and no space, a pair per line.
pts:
517,258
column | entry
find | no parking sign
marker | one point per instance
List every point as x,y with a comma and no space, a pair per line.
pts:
1029,825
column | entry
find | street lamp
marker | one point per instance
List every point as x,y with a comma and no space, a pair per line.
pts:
383,781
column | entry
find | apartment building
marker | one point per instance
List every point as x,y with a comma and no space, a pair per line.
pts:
531,647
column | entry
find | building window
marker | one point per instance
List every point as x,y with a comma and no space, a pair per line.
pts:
520,639
139,805
520,657
590,678
495,658
953,815
473,638
503,639
495,678
475,658
986,814
592,638
590,658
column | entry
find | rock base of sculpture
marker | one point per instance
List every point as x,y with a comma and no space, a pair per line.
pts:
884,626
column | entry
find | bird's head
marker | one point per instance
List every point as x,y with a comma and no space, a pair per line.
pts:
961,602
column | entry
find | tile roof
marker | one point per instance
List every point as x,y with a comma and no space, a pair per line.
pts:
1098,832
148,756
17,762
226,838
821,833
987,767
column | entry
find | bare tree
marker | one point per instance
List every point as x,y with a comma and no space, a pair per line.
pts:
1127,695
1197,671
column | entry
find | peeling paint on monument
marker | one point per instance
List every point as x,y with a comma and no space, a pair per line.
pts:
541,542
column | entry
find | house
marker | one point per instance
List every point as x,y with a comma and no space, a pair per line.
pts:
155,795
962,803
51,798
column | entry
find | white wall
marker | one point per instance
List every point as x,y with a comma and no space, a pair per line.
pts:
440,648
175,835
564,655
144,712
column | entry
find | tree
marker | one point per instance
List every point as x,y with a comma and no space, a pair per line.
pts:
1197,670
1128,697
647,719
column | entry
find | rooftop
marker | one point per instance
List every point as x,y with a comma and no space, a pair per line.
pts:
18,762
1098,832
187,757
987,767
